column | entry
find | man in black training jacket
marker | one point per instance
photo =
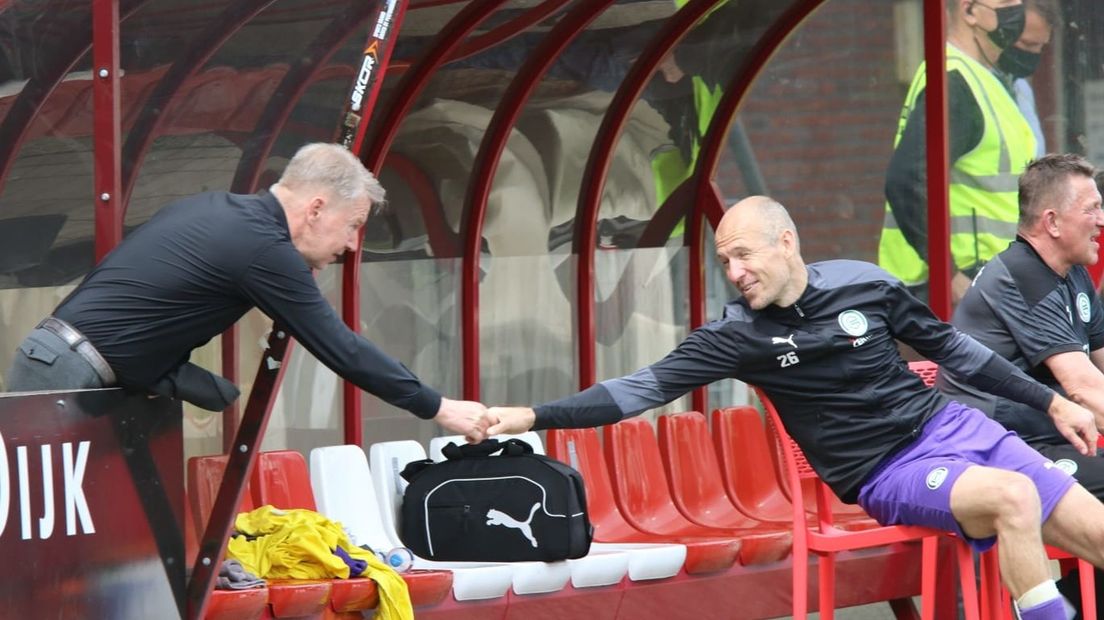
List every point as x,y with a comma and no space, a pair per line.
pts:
819,339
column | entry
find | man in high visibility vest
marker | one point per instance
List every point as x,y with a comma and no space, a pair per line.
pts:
990,145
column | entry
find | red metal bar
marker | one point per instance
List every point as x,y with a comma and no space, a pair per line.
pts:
389,18
598,164
231,415
19,119
242,458
486,163
507,31
677,205
156,108
939,227
441,238
106,125
695,234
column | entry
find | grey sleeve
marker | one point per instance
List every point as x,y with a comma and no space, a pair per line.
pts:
709,353
967,359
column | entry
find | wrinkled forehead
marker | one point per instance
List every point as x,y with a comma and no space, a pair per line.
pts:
739,230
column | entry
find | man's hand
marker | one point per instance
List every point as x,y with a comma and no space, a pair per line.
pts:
464,417
1075,423
510,420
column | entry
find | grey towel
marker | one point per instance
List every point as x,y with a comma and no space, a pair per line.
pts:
232,576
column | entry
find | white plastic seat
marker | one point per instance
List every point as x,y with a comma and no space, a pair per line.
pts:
388,460
646,560
603,566
344,492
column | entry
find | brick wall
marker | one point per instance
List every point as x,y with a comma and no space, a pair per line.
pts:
821,120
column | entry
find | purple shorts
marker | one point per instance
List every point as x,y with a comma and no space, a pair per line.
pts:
913,487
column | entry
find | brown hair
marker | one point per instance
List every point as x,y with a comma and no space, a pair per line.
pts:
1043,181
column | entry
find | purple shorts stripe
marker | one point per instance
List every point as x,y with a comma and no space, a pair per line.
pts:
913,487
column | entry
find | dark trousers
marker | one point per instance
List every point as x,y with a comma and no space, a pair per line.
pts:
44,361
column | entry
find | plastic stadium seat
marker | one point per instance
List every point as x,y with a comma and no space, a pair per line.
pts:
286,598
643,493
581,448
598,567
345,492
646,560
740,440
290,488
695,474
824,540
282,479
993,593
389,458
223,604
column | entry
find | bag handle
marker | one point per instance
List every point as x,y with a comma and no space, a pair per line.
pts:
510,447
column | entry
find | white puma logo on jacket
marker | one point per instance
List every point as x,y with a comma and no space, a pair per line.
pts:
497,517
787,340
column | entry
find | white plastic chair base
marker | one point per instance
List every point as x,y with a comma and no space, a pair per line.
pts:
648,561
344,491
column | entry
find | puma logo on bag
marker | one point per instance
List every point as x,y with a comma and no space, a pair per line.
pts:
497,517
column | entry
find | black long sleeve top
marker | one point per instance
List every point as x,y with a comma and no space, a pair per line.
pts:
193,270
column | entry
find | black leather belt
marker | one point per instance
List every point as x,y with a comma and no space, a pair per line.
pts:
78,343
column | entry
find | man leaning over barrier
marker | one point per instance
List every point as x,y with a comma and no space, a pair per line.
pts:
201,263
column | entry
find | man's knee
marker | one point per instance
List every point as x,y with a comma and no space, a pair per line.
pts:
986,501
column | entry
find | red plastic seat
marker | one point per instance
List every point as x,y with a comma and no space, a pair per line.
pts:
995,599
825,540
223,604
695,474
642,492
286,598
740,442
581,449
283,480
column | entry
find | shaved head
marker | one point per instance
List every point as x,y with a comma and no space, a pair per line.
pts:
757,246
763,214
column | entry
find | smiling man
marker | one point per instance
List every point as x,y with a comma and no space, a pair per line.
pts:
1036,306
201,263
819,339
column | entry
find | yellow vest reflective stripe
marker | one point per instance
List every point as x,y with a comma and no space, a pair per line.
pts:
983,183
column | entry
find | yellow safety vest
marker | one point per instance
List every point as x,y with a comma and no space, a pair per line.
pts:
669,169
984,208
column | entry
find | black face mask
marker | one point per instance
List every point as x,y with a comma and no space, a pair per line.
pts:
1018,63
1010,24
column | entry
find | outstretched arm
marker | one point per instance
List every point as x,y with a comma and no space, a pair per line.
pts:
708,353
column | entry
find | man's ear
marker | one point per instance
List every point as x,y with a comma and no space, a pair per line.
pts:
1050,222
788,241
314,208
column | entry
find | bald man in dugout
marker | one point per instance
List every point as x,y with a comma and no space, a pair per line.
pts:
820,340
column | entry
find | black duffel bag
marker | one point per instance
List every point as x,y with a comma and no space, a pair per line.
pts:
481,506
